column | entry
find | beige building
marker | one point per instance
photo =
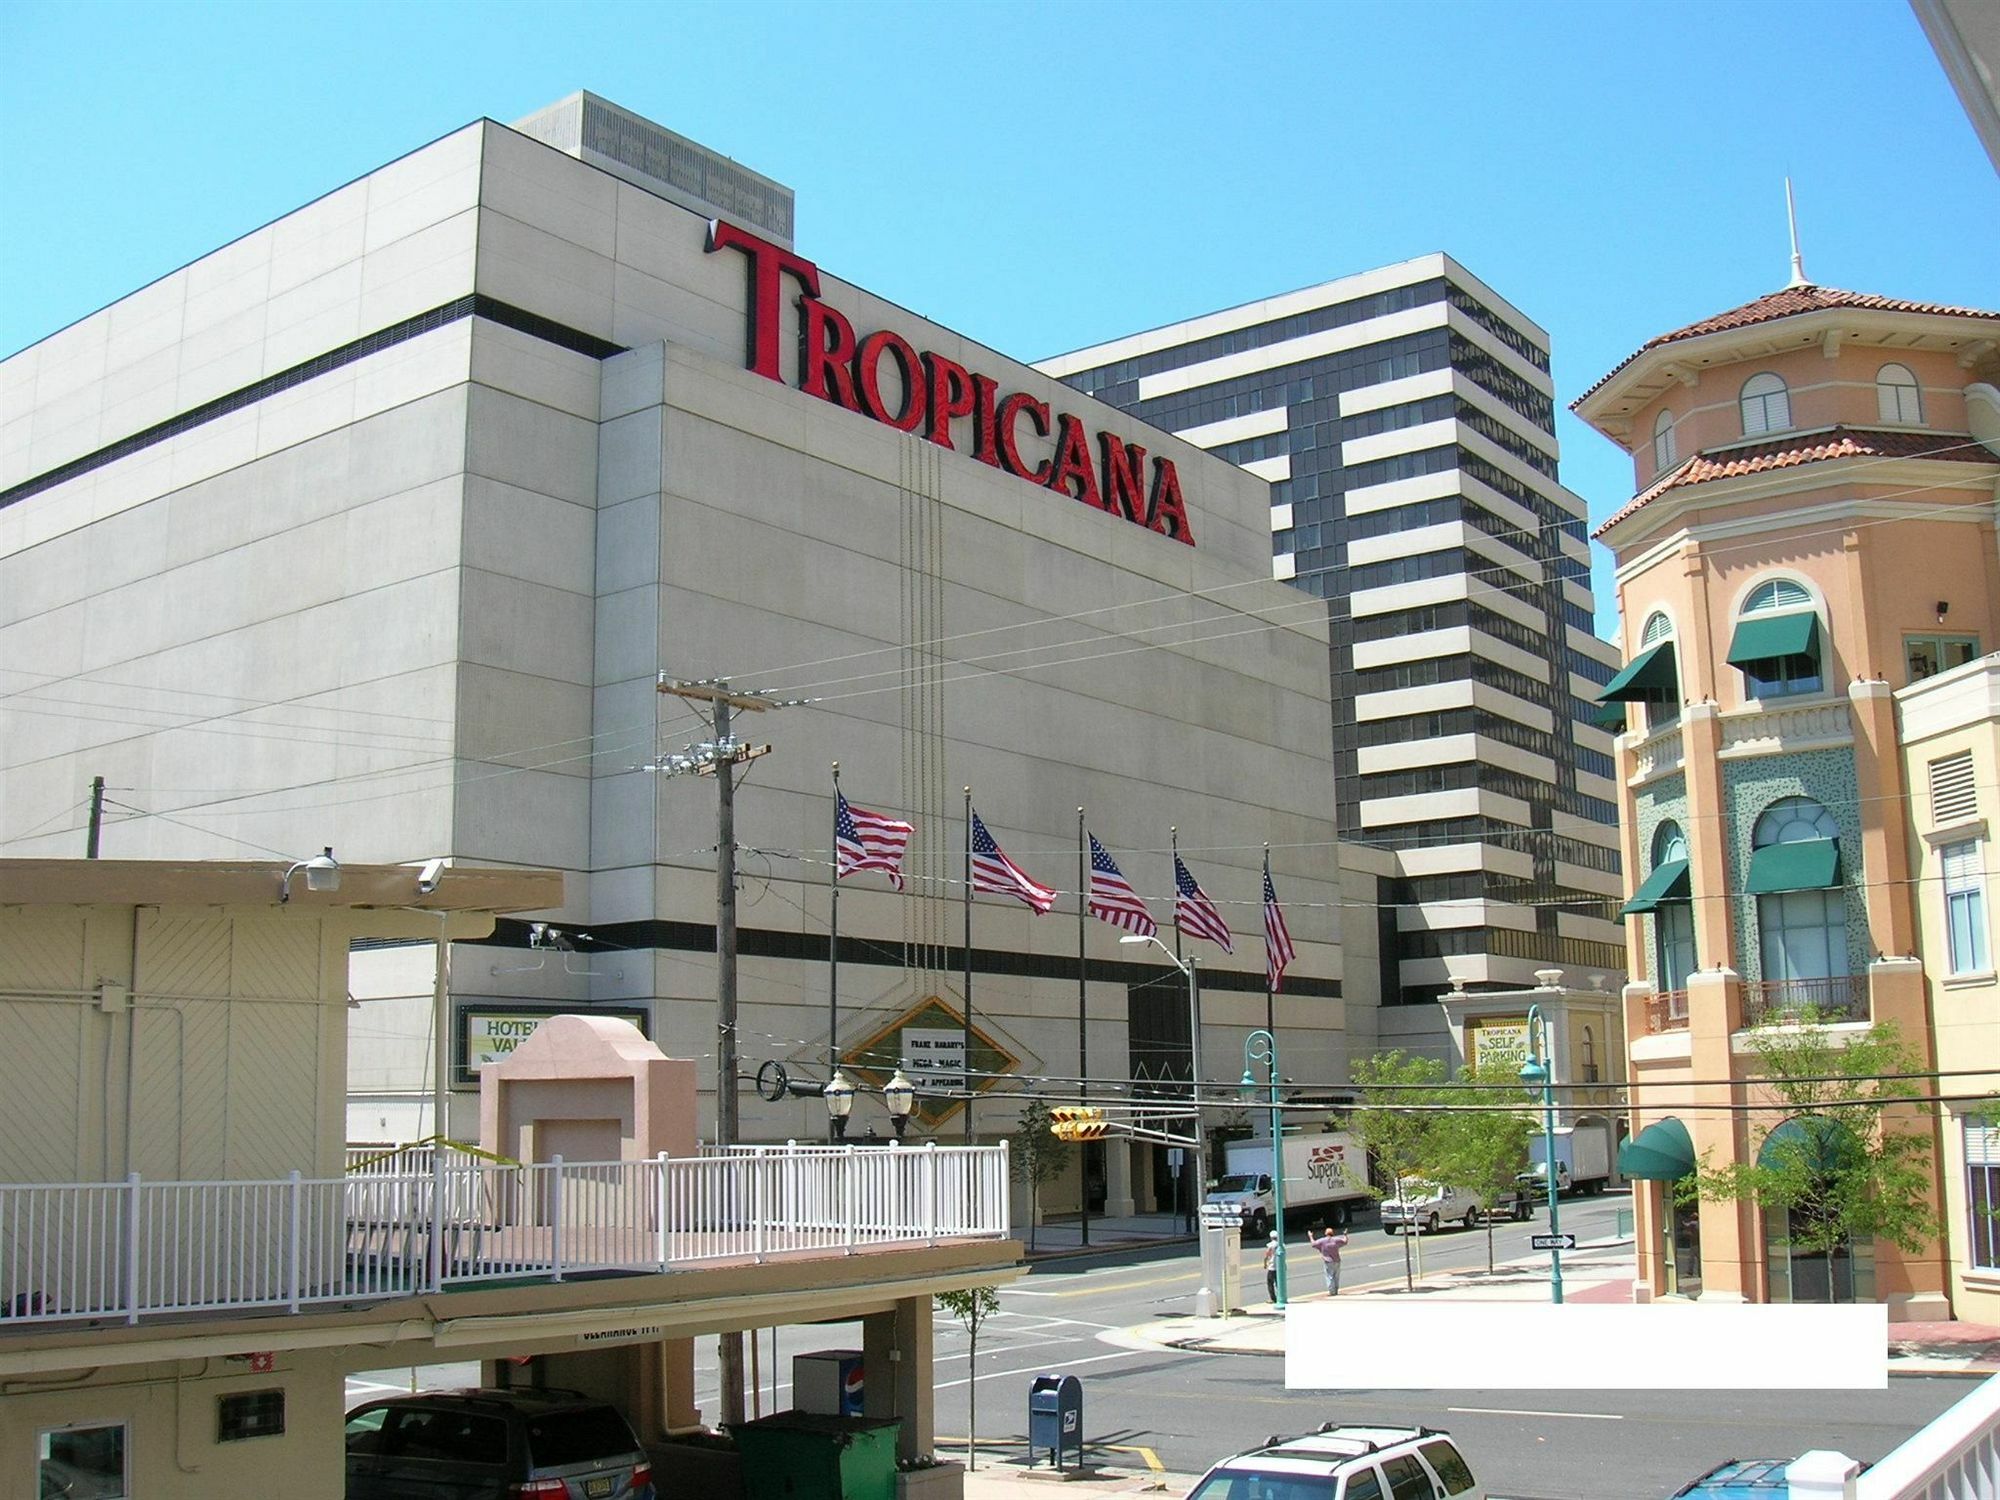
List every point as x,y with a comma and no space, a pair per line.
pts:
1810,554
189,1266
379,526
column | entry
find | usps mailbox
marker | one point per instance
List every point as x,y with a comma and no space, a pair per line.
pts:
1055,1418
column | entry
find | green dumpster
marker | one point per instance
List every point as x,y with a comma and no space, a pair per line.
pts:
796,1455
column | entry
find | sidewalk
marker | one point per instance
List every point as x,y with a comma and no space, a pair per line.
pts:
1005,1480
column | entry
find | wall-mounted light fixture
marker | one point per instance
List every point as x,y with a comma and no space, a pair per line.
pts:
1943,609
322,874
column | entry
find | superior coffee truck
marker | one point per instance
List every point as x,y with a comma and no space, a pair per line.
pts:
1326,1174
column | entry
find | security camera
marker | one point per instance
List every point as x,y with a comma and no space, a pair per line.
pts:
429,876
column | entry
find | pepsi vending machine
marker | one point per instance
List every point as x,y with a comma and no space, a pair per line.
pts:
827,1383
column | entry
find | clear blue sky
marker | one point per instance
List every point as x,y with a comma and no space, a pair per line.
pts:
1042,176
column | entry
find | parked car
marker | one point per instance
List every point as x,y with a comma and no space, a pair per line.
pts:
1346,1463
1740,1479
494,1445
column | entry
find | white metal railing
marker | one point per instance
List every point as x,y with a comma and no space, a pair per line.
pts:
1957,1457
137,1249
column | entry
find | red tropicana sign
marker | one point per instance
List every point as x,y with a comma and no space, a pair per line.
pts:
930,391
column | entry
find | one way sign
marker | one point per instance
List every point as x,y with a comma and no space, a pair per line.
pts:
1552,1242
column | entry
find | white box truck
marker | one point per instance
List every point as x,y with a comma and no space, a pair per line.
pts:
1326,1174
1583,1160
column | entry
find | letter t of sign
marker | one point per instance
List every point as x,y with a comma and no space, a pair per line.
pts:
769,264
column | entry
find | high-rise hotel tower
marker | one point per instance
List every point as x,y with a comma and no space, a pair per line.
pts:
1404,419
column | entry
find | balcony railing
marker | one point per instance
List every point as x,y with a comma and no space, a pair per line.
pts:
137,1249
1667,1010
1775,1002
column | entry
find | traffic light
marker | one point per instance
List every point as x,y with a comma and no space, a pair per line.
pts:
1078,1123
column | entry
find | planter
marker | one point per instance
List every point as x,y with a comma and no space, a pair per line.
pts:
944,1481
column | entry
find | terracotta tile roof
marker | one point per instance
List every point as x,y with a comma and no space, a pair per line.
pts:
1786,303
1790,452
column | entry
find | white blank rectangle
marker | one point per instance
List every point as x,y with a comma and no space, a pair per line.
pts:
1396,1345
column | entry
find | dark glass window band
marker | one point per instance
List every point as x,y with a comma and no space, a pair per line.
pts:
474,306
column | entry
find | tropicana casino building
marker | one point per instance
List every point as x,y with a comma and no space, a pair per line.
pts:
376,528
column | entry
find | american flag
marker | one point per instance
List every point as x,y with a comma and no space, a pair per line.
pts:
1278,949
868,841
1112,897
994,871
1195,913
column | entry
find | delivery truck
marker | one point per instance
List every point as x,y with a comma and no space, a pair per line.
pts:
1326,1174
1583,1160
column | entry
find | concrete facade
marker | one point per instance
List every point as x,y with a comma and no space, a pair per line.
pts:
376,527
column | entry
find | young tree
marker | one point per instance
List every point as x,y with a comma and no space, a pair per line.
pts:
1484,1149
1402,1137
1035,1157
1838,1168
972,1307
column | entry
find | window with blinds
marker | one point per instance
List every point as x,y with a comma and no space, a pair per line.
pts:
1982,1192
1953,796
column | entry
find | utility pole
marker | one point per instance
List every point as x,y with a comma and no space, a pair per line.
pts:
96,816
719,758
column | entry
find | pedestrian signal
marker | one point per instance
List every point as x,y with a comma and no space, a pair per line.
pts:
1078,1123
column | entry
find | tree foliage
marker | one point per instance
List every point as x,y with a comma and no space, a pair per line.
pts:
1842,1172
1485,1149
972,1306
1404,1139
1036,1157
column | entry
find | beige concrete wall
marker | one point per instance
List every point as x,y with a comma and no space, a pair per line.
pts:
176,1043
169,1411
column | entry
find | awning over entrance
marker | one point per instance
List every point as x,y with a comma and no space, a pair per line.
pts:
1764,638
1662,1152
1610,716
1826,1144
1668,882
1649,677
1804,865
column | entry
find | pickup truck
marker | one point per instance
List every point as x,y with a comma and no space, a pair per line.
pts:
1428,1207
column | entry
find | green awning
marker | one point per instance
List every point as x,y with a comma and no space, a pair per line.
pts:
1762,638
1668,882
1662,1152
1648,678
1805,865
1825,1144
1610,716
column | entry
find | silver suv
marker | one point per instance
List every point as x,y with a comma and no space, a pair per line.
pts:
1346,1463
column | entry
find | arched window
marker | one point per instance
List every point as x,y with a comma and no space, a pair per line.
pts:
1658,628
1766,404
1897,396
1776,645
1801,907
1673,924
1663,442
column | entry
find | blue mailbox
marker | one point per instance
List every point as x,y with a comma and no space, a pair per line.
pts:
1055,1418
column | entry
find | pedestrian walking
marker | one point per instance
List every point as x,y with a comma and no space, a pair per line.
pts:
1329,1243
1271,1269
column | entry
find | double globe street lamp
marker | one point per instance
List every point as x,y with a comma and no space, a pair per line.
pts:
1539,1071
1262,1047
899,1094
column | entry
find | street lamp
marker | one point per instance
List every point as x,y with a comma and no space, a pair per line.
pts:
839,1096
901,1097
1262,1047
322,874
1539,1069
1204,1300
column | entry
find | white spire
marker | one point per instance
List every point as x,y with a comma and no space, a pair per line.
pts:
1798,260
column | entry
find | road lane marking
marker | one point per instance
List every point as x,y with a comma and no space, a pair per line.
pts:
1095,1359
1507,1411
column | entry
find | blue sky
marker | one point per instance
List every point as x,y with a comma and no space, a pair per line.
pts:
1042,176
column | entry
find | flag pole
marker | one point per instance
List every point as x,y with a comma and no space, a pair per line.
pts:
1194,1033
1082,1016
965,1065
833,944
1270,1005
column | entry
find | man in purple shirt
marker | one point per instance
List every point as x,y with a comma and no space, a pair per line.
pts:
1329,1243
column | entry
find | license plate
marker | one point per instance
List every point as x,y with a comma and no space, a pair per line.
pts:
597,1489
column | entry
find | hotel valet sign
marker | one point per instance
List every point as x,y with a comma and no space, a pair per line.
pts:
929,391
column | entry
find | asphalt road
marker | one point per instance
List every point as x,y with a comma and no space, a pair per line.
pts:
1181,1411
